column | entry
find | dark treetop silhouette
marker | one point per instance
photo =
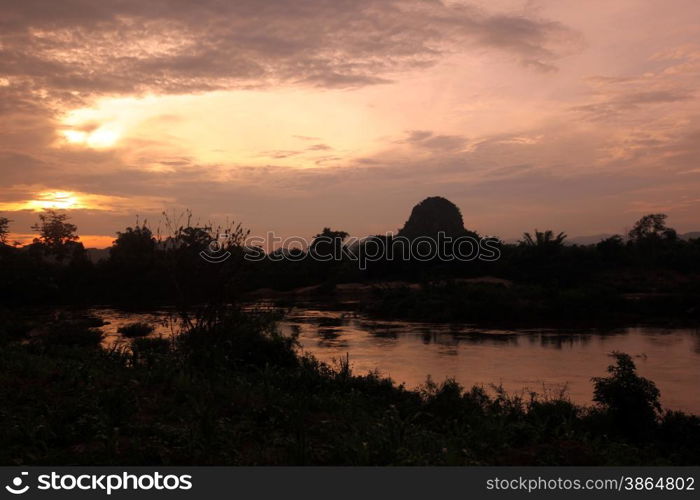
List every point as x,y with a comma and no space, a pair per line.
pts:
650,276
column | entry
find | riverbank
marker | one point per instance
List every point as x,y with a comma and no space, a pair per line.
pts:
239,393
498,303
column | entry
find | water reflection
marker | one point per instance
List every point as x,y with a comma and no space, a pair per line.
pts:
532,360
541,360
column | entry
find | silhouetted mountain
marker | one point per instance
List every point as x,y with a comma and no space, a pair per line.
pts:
690,236
587,240
433,215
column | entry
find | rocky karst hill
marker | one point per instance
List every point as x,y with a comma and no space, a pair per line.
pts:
432,215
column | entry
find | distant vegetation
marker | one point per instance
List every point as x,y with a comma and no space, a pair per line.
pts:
648,275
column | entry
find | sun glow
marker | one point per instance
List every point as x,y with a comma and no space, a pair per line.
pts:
39,199
92,128
286,127
61,200
50,200
104,136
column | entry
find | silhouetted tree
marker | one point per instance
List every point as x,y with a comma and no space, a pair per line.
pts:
135,273
4,229
652,226
327,243
204,265
632,401
326,252
543,239
56,235
611,248
134,245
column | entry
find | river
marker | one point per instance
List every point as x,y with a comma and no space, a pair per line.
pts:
546,361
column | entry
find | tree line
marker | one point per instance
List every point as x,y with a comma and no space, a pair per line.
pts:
146,267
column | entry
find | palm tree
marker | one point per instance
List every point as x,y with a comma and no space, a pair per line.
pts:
544,239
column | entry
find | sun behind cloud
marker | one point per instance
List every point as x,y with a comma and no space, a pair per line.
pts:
88,127
105,136
54,200
74,200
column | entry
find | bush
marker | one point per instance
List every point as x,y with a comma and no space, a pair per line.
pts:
138,329
631,401
71,335
13,328
237,339
150,350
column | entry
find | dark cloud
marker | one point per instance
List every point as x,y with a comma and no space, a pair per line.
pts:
180,46
319,147
418,135
615,97
426,139
61,55
18,168
617,104
279,154
445,142
488,193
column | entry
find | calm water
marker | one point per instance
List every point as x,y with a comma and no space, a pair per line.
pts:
544,361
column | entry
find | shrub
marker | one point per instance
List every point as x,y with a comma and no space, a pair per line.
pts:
237,339
150,350
13,328
138,329
70,335
631,401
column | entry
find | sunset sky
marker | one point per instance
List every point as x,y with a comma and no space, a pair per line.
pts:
292,115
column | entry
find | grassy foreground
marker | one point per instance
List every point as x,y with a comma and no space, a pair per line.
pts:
236,392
